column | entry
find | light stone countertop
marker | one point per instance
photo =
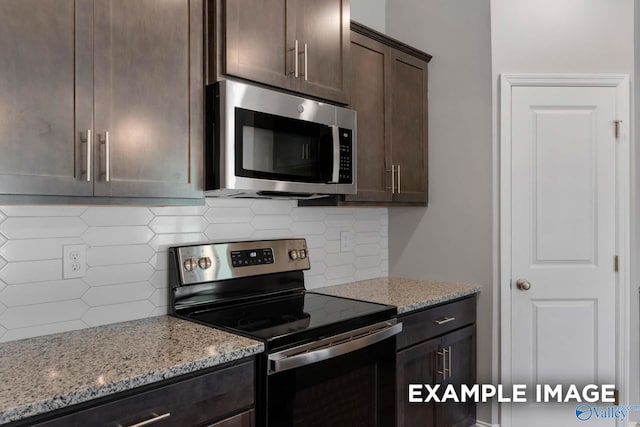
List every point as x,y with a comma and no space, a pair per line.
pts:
54,371
407,294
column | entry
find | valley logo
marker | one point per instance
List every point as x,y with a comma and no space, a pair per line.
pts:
585,412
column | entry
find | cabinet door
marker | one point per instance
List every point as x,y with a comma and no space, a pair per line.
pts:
462,370
416,365
46,93
148,97
259,41
408,86
323,26
369,98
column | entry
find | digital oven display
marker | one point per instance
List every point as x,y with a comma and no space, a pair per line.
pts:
250,257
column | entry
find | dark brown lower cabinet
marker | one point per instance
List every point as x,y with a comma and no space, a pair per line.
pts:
222,398
416,365
438,347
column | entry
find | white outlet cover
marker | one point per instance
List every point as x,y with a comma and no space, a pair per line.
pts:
74,261
346,241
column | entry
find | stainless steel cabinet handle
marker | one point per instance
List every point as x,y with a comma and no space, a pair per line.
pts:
107,156
450,371
444,370
523,284
393,178
89,155
398,178
306,69
444,320
295,59
150,421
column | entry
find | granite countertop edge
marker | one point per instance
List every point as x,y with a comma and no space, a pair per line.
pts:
76,397
438,300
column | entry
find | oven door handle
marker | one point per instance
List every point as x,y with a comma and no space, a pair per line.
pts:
331,347
335,136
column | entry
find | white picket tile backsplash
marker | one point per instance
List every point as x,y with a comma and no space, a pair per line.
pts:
127,257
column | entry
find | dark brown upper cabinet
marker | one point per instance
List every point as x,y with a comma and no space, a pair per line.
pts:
389,92
101,98
407,85
298,45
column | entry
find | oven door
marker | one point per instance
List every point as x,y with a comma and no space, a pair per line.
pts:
343,381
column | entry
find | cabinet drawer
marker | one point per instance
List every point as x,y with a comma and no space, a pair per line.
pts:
429,323
246,419
190,402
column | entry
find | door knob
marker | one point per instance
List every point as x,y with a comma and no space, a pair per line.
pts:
523,284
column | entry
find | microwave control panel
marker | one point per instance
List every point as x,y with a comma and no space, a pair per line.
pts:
346,156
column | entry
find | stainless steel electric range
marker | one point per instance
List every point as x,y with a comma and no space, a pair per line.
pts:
329,361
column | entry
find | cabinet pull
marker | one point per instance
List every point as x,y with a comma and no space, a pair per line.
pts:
393,178
295,59
154,419
398,178
306,70
450,370
88,168
444,320
107,156
444,370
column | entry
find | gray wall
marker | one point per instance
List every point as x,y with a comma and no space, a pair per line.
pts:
571,36
452,238
370,13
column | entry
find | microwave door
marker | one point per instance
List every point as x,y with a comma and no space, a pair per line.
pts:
283,149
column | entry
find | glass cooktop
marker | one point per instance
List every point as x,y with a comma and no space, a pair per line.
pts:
295,318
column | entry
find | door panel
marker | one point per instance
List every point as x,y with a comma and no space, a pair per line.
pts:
564,230
324,26
369,99
409,127
563,243
553,335
259,41
146,92
42,116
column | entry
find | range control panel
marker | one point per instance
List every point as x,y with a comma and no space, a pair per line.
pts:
223,261
251,257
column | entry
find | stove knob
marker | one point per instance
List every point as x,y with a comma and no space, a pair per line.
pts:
204,262
189,264
302,253
293,254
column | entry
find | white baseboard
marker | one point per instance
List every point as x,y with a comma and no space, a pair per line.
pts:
483,424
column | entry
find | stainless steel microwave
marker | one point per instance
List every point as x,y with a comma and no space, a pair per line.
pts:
264,143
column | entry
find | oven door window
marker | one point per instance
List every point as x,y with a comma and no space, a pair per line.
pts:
353,390
282,149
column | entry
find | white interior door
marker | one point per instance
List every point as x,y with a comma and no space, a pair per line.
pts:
563,243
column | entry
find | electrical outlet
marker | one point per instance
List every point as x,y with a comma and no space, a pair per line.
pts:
346,241
74,261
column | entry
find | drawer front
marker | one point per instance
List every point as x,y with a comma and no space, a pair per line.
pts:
429,323
186,403
246,419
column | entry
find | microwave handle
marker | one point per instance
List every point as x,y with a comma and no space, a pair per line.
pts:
335,136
